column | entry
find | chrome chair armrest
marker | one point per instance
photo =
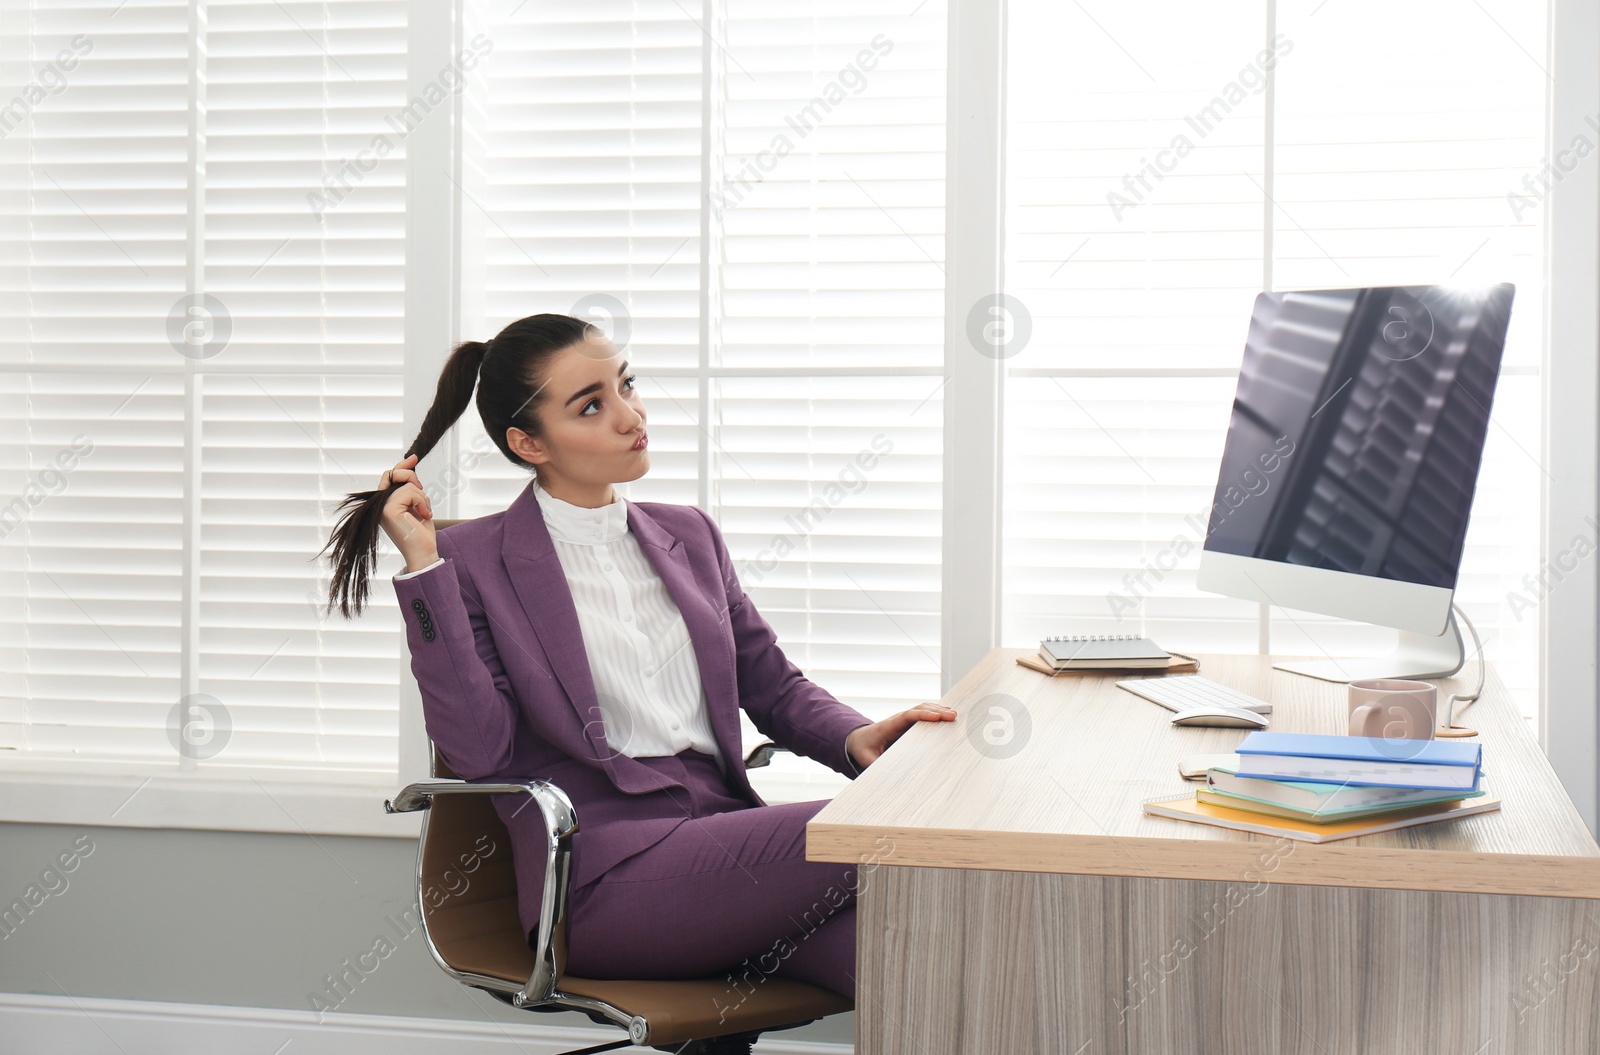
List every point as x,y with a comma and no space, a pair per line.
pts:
761,754
416,796
561,823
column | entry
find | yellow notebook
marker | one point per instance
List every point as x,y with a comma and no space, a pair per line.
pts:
1188,808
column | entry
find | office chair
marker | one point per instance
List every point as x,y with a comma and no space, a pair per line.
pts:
476,934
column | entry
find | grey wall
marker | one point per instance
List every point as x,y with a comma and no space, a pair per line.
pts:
236,918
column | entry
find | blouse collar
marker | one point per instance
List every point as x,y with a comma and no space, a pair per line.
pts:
586,527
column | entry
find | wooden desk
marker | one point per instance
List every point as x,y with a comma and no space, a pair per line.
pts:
1014,898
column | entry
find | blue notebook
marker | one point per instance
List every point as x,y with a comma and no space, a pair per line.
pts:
1361,761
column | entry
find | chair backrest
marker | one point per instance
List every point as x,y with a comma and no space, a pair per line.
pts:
477,929
469,887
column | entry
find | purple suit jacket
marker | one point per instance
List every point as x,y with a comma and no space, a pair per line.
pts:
506,691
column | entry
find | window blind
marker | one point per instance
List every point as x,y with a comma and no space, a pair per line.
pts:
829,210
162,604
88,567
306,125
773,175
587,201
1140,181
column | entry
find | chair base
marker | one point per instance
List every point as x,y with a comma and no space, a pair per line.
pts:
731,1044
736,1044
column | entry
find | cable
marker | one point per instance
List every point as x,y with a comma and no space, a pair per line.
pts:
1449,727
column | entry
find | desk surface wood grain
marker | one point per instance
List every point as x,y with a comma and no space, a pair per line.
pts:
1048,774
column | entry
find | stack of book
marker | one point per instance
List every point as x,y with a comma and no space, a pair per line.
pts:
1320,788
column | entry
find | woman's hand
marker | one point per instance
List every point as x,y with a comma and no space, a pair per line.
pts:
866,743
408,516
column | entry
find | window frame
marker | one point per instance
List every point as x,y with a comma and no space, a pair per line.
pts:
1569,730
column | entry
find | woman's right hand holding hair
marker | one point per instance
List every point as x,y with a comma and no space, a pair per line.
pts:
408,516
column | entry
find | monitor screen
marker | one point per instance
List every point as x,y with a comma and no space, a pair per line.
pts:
1357,429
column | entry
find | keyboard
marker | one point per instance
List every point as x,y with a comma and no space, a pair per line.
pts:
1181,692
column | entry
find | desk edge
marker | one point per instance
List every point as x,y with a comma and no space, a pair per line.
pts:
1251,860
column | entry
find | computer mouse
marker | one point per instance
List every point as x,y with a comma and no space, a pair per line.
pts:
1221,717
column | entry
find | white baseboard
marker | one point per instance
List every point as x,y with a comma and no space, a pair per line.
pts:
48,1025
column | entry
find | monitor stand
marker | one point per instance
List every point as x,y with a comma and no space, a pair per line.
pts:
1415,656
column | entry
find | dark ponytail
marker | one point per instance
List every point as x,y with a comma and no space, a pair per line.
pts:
508,373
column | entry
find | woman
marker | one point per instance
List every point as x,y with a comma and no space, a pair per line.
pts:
606,646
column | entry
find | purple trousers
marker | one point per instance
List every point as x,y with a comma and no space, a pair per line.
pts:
728,894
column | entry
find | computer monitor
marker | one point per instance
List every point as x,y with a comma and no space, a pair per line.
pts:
1351,460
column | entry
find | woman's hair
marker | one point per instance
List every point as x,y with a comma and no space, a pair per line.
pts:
508,372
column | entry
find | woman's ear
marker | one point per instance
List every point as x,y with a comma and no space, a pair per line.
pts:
527,448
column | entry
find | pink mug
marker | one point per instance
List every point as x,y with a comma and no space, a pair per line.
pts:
1394,709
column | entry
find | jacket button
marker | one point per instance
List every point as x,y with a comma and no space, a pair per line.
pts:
417,604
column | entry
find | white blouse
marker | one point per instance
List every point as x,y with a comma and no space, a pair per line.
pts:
645,673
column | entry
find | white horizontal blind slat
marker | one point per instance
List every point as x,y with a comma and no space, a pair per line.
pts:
829,211
827,219
830,206
306,127
93,258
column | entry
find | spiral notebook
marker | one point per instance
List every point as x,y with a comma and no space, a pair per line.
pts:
1102,652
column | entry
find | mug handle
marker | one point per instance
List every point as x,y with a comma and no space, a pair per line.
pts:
1362,716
